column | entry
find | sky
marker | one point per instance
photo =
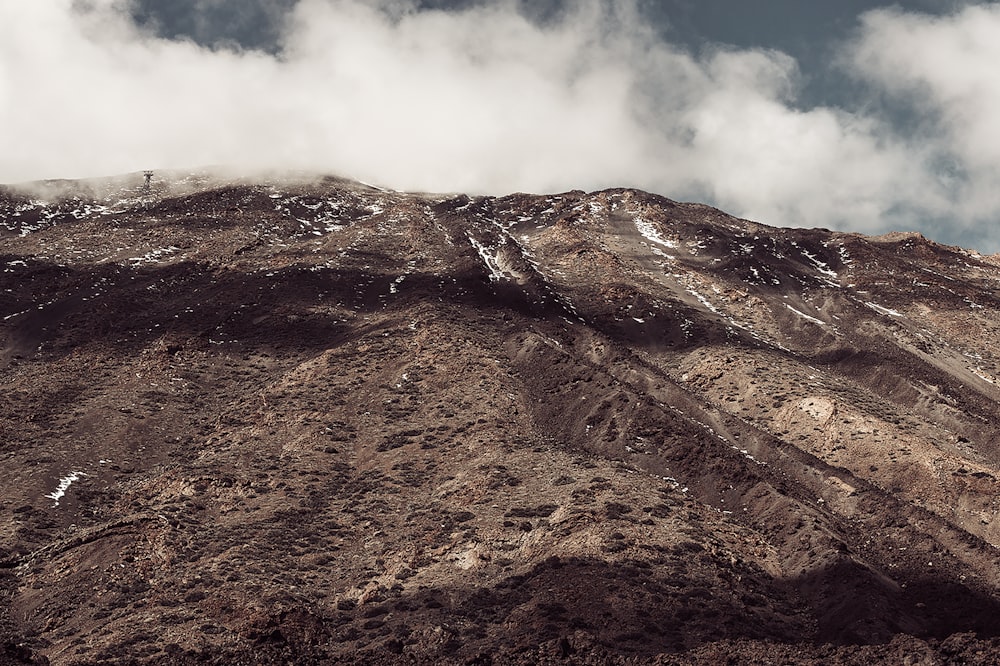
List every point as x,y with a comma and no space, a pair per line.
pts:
853,115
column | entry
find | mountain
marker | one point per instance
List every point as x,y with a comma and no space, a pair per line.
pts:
307,420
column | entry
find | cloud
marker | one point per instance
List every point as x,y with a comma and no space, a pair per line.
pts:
755,153
490,99
480,99
941,69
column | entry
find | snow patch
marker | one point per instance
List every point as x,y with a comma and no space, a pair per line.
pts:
820,266
650,233
15,263
985,376
153,256
490,258
64,484
701,299
883,310
394,285
805,316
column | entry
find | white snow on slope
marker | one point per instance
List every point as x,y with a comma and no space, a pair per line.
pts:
15,264
821,266
154,256
884,310
805,316
64,484
650,233
86,210
985,376
704,301
832,278
490,259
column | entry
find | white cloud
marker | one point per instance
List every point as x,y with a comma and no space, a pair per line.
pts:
485,100
480,100
944,69
760,156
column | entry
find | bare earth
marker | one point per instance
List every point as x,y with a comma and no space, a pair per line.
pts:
308,421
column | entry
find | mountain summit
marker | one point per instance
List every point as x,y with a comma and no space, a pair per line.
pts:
313,421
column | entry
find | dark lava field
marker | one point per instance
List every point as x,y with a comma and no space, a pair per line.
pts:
304,420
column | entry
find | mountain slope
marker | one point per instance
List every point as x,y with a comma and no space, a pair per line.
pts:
261,420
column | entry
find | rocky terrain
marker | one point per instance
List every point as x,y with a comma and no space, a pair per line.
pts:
306,420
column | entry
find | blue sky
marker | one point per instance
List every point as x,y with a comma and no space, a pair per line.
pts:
852,115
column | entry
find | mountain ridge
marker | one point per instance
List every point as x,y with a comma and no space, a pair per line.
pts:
311,418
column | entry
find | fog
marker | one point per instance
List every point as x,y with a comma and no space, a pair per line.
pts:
486,99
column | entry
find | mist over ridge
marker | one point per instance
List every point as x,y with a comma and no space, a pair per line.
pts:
490,98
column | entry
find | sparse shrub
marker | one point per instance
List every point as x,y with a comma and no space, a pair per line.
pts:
616,510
